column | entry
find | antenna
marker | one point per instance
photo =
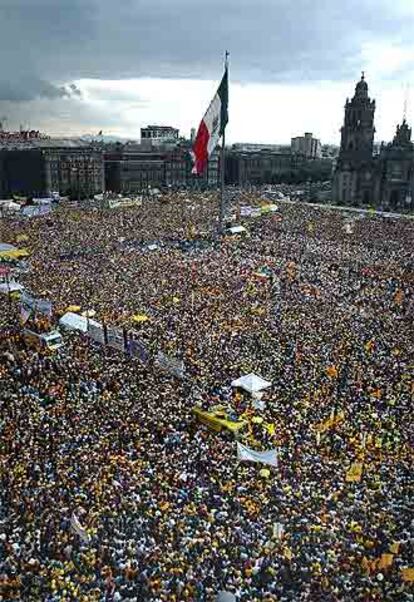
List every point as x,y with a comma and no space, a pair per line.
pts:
406,101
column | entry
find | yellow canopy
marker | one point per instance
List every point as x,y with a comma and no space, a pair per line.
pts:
73,308
22,238
14,254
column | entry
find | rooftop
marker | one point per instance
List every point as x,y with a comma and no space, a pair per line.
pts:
42,142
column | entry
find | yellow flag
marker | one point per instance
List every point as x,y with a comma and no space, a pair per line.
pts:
369,346
22,238
366,565
399,297
140,318
407,574
354,473
395,547
332,371
385,561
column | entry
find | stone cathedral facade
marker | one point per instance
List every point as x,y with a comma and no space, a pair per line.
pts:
360,178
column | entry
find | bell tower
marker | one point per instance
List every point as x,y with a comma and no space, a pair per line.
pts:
357,133
354,172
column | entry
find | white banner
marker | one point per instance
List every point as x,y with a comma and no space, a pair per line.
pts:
250,455
78,529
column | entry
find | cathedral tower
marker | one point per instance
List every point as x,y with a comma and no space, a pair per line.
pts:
354,171
357,133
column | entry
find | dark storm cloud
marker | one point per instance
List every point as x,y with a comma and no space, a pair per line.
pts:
29,88
270,40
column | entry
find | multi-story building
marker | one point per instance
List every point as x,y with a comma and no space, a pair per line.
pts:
74,167
273,167
394,181
159,134
22,172
35,165
363,176
257,167
135,167
255,147
307,146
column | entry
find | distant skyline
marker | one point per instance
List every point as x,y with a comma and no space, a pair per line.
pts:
80,66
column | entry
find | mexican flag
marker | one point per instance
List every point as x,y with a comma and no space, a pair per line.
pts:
211,127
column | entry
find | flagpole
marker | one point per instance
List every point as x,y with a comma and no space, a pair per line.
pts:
222,167
222,162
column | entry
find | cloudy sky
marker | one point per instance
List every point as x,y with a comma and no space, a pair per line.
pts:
79,66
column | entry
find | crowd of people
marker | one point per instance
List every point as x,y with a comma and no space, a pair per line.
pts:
110,488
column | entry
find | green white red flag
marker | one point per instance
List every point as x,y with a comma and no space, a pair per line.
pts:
211,127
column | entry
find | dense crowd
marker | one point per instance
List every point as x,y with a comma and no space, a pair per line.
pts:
316,303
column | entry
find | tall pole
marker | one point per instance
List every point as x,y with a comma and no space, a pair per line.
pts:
222,181
223,162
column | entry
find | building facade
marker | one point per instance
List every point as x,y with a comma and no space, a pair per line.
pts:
266,166
133,168
74,170
307,146
365,175
22,172
159,134
37,166
394,182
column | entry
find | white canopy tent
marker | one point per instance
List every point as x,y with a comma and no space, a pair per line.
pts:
72,321
237,230
4,246
251,383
